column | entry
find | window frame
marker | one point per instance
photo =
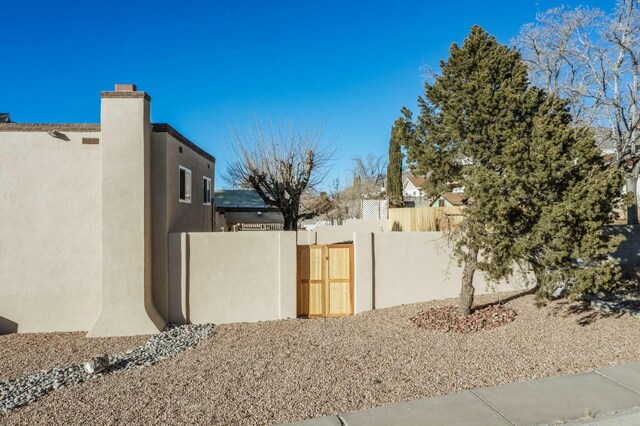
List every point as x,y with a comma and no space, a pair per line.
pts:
206,180
188,191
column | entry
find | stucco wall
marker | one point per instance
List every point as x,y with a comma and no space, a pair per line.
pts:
50,237
170,215
234,277
251,276
83,244
181,217
127,281
414,267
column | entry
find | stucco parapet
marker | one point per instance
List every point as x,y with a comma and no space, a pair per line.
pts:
126,94
123,94
46,127
167,128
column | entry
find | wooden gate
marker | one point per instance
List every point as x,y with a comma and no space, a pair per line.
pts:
325,280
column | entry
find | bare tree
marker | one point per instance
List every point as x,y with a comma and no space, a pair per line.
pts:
592,58
280,164
370,172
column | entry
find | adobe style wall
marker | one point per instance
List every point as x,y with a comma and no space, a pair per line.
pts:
170,215
228,277
413,267
50,237
127,299
251,276
89,208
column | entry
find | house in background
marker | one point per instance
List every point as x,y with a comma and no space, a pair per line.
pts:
87,210
412,187
244,210
450,199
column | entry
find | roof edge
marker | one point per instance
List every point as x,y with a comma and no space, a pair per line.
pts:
167,128
46,127
126,94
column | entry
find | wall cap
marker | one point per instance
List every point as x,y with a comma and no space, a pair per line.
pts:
45,127
126,95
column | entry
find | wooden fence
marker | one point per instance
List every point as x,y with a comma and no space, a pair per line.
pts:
424,218
325,280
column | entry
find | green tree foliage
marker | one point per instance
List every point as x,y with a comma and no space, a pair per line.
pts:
399,137
538,189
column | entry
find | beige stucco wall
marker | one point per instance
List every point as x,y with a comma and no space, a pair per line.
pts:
235,277
413,267
170,215
127,300
363,263
84,246
251,276
50,237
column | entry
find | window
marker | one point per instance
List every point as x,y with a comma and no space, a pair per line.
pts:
206,183
441,202
185,185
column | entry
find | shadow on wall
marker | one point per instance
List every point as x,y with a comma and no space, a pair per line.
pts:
7,326
178,282
629,250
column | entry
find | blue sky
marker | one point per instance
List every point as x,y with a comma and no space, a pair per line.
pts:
210,66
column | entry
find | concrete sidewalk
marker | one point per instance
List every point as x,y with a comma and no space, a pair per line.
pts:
609,396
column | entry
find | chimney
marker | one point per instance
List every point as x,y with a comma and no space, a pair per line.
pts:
126,88
125,141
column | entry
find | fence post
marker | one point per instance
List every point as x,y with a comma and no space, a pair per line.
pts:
288,274
364,271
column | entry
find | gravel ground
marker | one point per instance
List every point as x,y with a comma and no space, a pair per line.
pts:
25,353
289,370
161,346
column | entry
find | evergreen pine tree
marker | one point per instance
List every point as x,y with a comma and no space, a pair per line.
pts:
539,193
399,135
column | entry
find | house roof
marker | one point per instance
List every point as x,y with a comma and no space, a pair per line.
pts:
239,199
454,199
416,181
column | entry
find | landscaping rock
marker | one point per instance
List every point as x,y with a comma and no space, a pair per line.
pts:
171,342
96,364
448,319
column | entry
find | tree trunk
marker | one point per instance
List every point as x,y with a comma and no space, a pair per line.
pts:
632,209
290,222
467,290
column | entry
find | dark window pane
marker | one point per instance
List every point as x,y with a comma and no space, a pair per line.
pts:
182,184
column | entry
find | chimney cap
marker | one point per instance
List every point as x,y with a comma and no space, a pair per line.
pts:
126,88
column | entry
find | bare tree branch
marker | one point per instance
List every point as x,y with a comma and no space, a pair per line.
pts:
592,58
371,171
280,163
